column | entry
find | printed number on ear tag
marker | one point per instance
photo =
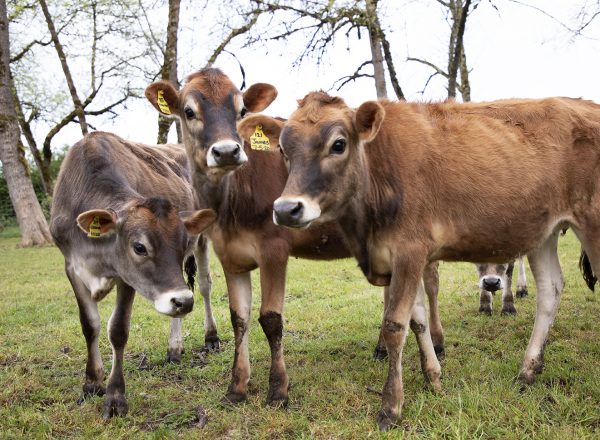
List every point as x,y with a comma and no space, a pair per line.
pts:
258,141
162,104
94,228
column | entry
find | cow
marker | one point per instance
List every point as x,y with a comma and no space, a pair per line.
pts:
240,181
410,183
494,277
122,215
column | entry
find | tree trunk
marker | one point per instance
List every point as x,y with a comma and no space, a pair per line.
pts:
459,20
67,72
377,57
169,68
33,225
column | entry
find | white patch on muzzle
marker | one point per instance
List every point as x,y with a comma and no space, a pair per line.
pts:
165,304
494,279
210,157
310,212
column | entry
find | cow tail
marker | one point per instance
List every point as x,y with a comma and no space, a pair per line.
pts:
190,270
586,270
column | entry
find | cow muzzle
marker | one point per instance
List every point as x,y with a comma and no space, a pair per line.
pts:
491,283
175,302
227,154
295,212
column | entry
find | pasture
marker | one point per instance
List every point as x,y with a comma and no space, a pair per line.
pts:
332,319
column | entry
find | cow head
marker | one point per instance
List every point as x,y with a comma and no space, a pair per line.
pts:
150,240
492,277
209,106
323,143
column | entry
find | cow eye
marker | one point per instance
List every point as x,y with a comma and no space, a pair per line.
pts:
338,146
243,112
189,113
140,249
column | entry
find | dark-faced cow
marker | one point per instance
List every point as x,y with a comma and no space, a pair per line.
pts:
408,183
494,277
115,217
241,183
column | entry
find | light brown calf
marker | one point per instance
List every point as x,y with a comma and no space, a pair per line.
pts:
409,182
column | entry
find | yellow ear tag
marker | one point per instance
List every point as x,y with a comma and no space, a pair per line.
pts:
258,141
162,104
94,228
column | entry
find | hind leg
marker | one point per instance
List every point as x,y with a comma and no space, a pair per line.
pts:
521,278
508,301
549,281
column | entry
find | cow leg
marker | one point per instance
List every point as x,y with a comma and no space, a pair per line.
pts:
239,289
211,339
175,347
406,276
272,281
431,280
380,352
90,327
115,402
549,281
521,278
508,301
485,302
418,324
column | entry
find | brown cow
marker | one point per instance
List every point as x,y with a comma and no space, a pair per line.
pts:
115,219
245,237
410,182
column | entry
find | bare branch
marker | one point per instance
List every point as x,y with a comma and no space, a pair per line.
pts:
357,74
427,63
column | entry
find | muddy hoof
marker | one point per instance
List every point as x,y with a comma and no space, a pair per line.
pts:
440,353
212,344
173,358
380,353
526,378
114,406
233,398
277,401
93,389
522,293
485,310
385,421
508,310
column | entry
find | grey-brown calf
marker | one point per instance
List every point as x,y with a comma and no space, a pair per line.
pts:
494,277
116,219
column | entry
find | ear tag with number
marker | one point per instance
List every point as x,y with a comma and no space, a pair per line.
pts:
162,104
258,141
94,228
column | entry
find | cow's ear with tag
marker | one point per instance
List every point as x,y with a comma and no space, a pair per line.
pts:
259,96
97,223
164,97
368,119
261,132
196,222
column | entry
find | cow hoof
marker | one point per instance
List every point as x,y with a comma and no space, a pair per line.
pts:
508,310
232,398
526,378
212,344
92,389
386,421
114,406
277,401
440,353
522,293
485,310
380,353
173,358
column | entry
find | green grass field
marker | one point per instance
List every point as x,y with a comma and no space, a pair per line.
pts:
332,322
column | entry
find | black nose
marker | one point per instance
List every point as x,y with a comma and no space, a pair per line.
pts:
288,212
491,284
226,155
183,305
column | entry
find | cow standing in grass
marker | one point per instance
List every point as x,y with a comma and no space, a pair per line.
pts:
410,183
240,184
494,277
116,219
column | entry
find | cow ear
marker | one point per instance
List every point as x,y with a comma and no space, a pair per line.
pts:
368,119
97,222
197,221
164,97
260,125
258,97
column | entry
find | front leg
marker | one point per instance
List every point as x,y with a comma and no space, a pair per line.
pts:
211,338
272,281
508,301
90,326
239,288
521,278
406,276
431,280
175,347
115,402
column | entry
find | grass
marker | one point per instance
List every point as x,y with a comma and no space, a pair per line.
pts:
332,321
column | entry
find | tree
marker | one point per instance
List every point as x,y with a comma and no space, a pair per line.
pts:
33,226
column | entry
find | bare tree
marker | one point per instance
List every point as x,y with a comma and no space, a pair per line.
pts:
33,225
